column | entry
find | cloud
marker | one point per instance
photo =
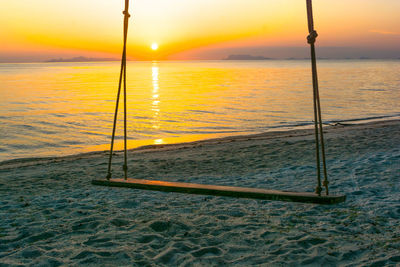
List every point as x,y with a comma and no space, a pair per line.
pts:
384,32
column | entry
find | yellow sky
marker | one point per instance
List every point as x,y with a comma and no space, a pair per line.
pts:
181,27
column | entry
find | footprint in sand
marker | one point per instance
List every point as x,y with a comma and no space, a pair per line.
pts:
207,252
160,226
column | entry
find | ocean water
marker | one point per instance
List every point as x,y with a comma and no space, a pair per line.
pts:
54,109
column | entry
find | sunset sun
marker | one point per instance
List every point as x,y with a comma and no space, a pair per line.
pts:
154,46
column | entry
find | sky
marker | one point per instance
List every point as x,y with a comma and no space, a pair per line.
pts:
37,30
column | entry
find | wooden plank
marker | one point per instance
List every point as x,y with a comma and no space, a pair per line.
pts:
218,190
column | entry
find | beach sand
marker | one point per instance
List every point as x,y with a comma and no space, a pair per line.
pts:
51,214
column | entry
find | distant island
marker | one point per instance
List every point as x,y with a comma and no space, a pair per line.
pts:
246,57
250,57
81,59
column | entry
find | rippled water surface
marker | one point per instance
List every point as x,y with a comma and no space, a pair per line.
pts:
49,109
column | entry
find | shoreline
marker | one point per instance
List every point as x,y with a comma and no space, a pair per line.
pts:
275,133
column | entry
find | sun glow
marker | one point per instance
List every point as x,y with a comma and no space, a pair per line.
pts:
187,29
154,46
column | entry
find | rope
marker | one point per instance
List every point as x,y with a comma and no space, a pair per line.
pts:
122,75
319,134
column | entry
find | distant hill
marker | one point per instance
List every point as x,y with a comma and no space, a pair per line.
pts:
81,59
246,57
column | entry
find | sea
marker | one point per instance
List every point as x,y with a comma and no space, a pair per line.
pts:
57,109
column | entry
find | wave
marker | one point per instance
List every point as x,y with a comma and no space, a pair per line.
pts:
297,130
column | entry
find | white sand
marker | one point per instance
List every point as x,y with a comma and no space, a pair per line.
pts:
50,214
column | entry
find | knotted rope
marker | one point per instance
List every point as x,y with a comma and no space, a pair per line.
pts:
319,134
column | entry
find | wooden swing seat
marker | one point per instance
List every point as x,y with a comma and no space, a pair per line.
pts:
228,191
219,190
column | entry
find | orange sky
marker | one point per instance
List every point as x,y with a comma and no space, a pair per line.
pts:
185,29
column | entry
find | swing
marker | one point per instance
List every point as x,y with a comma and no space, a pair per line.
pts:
230,191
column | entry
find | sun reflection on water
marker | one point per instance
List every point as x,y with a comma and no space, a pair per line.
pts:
156,100
158,141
